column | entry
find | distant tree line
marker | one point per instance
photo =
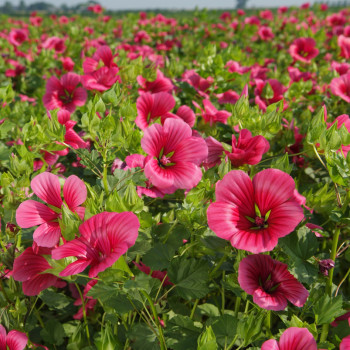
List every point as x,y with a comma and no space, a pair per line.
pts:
42,6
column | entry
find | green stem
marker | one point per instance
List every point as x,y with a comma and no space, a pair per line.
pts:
84,312
155,315
232,342
237,305
329,284
194,308
105,182
218,265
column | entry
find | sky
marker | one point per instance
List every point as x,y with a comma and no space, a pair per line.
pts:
178,4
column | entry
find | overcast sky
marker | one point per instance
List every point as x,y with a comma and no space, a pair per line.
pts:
178,4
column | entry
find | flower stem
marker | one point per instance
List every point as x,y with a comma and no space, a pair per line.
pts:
84,312
329,284
155,315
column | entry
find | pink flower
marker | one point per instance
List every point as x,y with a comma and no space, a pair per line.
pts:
303,49
344,44
235,67
340,68
345,343
211,115
265,33
32,213
270,283
97,77
261,99
199,83
14,340
184,113
28,268
104,238
55,43
176,155
252,215
215,151
341,87
18,36
67,63
63,93
160,84
292,338
152,106
248,149
342,120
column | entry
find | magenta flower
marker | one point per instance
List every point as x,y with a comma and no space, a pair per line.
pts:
184,113
152,106
176,155
18,36
248,149
32,213
265,33
14,340
341,87
215,151
103,55
64,93
104,238
345,343
344,44
28,268
160,275
252,215
292,338
270,283
97,77
210,114
160,84
303,49
277,88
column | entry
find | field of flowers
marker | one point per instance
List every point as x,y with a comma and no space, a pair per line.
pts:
175,182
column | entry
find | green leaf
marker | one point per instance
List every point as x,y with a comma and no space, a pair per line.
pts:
302,244
55,300
225,329
250,328
182,333
69,224
190,277
53,333
327,309
143,338
282,163
159,257
316,127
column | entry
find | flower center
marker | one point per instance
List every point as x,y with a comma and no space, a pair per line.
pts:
164,160
260,222
66,97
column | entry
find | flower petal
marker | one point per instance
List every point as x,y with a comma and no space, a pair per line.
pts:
16,340
47,234
160,177
74,192
32,213
47,187
297,339
272,187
